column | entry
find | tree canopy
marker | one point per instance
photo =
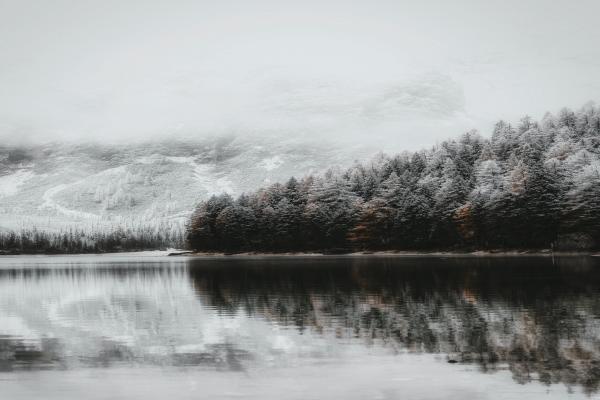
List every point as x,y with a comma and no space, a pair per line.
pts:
533,185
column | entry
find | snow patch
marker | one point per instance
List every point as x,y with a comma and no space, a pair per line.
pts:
155,158
212,185
50,203
10,184
204,174
271,163
146,160
181,160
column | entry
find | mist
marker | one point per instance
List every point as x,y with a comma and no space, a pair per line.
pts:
399,73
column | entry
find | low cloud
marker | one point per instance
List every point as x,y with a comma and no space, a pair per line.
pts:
274,104
405,73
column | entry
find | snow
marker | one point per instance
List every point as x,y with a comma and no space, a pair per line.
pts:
49,202
145,160
145,184
10,184
271,163
205,175
181,160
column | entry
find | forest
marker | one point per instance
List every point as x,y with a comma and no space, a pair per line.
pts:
532,185
74,241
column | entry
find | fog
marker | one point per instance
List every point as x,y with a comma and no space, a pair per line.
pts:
405,73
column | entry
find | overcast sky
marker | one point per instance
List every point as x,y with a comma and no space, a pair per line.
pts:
412,72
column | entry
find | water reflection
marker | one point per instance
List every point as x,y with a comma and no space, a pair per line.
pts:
538,317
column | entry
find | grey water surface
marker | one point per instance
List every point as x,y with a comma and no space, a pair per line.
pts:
334,327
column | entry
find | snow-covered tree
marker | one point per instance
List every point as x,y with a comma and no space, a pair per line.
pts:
528,186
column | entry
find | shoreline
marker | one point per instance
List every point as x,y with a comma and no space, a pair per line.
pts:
388,253
478,253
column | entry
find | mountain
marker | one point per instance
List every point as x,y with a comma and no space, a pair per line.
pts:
59,186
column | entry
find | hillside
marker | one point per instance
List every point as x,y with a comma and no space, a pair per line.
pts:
59,186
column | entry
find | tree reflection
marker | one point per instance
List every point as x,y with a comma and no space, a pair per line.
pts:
538,316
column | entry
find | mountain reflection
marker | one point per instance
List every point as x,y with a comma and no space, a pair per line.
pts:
538,317
66,318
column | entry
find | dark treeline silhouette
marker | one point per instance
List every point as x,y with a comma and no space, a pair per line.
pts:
533,185
80,241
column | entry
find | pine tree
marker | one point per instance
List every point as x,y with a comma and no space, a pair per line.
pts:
525,187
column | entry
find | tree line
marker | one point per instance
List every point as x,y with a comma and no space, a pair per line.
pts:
72,241
532,185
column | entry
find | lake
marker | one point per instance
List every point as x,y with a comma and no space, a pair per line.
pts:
332,327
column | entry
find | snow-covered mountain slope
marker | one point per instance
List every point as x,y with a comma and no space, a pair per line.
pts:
55,186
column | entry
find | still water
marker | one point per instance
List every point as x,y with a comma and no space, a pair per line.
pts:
140,327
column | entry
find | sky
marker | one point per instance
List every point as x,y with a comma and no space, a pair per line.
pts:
401,73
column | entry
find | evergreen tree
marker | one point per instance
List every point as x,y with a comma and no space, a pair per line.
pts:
524,187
